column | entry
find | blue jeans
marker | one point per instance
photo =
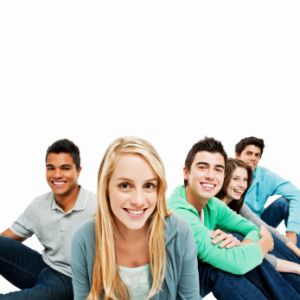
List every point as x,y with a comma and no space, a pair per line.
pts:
25,269
282,251
276,212
263,282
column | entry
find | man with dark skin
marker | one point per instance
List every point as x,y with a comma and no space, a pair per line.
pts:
53,218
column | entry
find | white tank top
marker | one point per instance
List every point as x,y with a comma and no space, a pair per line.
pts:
137,280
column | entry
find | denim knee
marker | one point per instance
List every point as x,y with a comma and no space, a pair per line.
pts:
283,203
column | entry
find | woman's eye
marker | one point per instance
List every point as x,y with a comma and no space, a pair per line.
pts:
124,186
149,186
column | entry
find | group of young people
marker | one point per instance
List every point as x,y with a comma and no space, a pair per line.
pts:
213,234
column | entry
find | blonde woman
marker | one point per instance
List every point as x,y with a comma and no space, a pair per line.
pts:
134,248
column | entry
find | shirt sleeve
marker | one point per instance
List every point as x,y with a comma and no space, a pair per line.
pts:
237,260
272,259
80,277
25,226
188,286
247,213
287,190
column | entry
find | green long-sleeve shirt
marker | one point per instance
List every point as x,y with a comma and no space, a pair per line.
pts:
237,260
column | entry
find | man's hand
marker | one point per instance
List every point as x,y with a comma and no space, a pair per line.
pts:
266,242
228,240
292,236
294,248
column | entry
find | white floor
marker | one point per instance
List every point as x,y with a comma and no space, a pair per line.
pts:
6,287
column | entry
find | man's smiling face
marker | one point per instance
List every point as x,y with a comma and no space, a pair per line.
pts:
206,175
61,174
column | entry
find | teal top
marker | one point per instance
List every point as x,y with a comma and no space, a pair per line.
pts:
237,260
137,281
265,184
181,280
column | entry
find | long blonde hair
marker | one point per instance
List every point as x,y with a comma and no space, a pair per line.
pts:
106,282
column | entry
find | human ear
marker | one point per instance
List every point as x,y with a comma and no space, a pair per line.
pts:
185,173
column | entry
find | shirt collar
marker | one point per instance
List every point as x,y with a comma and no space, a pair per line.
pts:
80,203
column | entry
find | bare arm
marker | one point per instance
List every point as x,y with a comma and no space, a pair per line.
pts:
287,266
294,248
10,234
292,236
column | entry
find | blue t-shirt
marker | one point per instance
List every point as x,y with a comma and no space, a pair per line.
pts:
265,184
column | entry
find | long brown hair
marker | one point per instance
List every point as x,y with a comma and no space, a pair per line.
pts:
106,282
231,165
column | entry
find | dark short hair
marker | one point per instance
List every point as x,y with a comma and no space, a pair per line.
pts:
231,165
207,144
251,140
65,146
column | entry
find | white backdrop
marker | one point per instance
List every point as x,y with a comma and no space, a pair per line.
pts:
168,71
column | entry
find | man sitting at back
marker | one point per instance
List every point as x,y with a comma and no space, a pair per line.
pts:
265,184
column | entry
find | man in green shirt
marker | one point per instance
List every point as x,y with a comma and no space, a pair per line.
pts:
227,267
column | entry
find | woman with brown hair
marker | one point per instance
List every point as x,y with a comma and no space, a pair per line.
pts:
286,256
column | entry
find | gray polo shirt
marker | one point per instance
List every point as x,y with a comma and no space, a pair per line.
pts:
53,227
